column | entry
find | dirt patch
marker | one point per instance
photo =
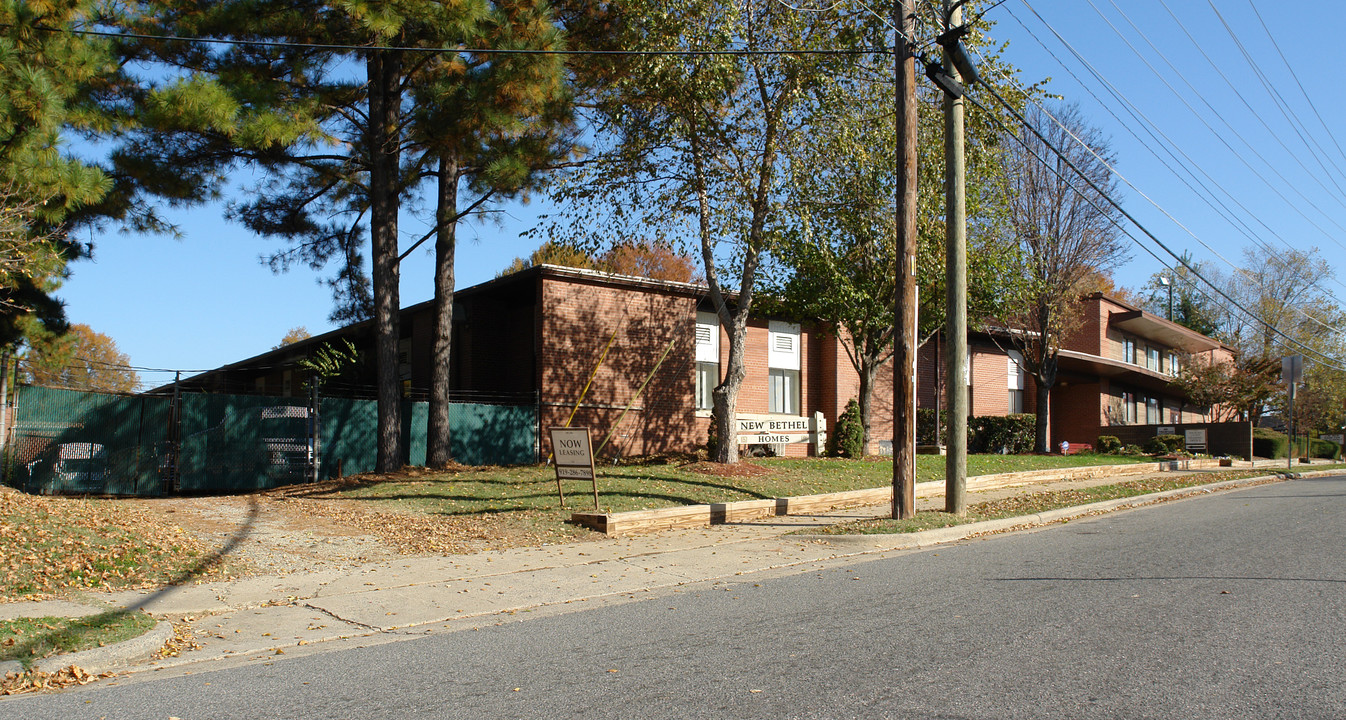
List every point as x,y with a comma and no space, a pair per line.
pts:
301,527
738,469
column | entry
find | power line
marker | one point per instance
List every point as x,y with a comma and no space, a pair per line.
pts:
1313,282
464,50
1329,362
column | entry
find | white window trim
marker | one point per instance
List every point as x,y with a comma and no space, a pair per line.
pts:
783,345
707,337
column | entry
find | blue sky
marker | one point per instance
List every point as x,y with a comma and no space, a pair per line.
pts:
206,300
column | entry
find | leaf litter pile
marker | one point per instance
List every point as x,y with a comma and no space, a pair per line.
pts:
50,546
362,503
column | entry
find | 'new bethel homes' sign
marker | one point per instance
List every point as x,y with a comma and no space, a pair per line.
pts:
782,430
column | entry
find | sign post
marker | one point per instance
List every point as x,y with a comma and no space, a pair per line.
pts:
574,458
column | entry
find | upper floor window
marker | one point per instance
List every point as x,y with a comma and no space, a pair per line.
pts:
1128,350
1152,359
1173,364
783,345
1015,371
783,391
783,366
707,358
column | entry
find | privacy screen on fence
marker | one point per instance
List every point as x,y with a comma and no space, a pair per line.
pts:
65,441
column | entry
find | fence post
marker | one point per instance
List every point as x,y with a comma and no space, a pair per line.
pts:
174,479
4,402
315,430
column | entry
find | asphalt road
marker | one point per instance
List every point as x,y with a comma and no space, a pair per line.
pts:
1227,606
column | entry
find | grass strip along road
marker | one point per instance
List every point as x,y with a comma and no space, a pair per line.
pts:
1038,502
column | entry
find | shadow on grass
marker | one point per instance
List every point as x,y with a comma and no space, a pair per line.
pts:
480,503
90,625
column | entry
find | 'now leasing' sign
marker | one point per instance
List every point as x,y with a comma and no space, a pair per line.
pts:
573,457
573,454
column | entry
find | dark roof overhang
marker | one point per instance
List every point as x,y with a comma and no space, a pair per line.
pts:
1151,327
1081,367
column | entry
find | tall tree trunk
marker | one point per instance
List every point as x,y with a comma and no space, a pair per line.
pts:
438,449
725,395
869,368
1045,379
385,101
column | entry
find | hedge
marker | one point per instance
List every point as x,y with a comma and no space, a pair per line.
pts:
1108,444
1008,434
1268,443
1011,434
1161,444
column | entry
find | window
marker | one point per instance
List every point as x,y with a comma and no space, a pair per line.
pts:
783,391
1174,415
1152,412
1152,359
1128,350
707,358
1173,364
783,345
783,360
1128,408
1015,371
707,377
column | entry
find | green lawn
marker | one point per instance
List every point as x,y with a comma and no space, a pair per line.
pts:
31,639
645,486
1037,502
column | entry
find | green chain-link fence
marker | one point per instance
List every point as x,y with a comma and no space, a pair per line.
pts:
64,441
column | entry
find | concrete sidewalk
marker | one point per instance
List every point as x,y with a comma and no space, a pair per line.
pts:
258,618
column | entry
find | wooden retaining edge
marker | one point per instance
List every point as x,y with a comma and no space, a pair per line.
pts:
691,516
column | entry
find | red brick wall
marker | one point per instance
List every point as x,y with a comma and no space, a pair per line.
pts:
1076,413
1088,336
578,318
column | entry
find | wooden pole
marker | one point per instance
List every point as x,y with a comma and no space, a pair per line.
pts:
955,229
904,381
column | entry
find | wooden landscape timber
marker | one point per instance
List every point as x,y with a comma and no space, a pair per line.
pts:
693,516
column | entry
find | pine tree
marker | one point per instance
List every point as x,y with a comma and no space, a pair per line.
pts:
49,78
339,151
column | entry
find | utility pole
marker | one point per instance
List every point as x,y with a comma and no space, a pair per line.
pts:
955,235
904,370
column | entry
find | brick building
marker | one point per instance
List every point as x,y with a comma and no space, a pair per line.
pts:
638,357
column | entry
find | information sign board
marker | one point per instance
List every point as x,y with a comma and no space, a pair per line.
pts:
573,457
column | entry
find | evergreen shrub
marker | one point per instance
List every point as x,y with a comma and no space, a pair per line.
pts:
1110,444
847,438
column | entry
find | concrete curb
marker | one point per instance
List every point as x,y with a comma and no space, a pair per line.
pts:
102,659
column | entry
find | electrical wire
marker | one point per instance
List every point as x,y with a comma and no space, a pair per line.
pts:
1236,268
1290,69
1183,170
1325,359
463,50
